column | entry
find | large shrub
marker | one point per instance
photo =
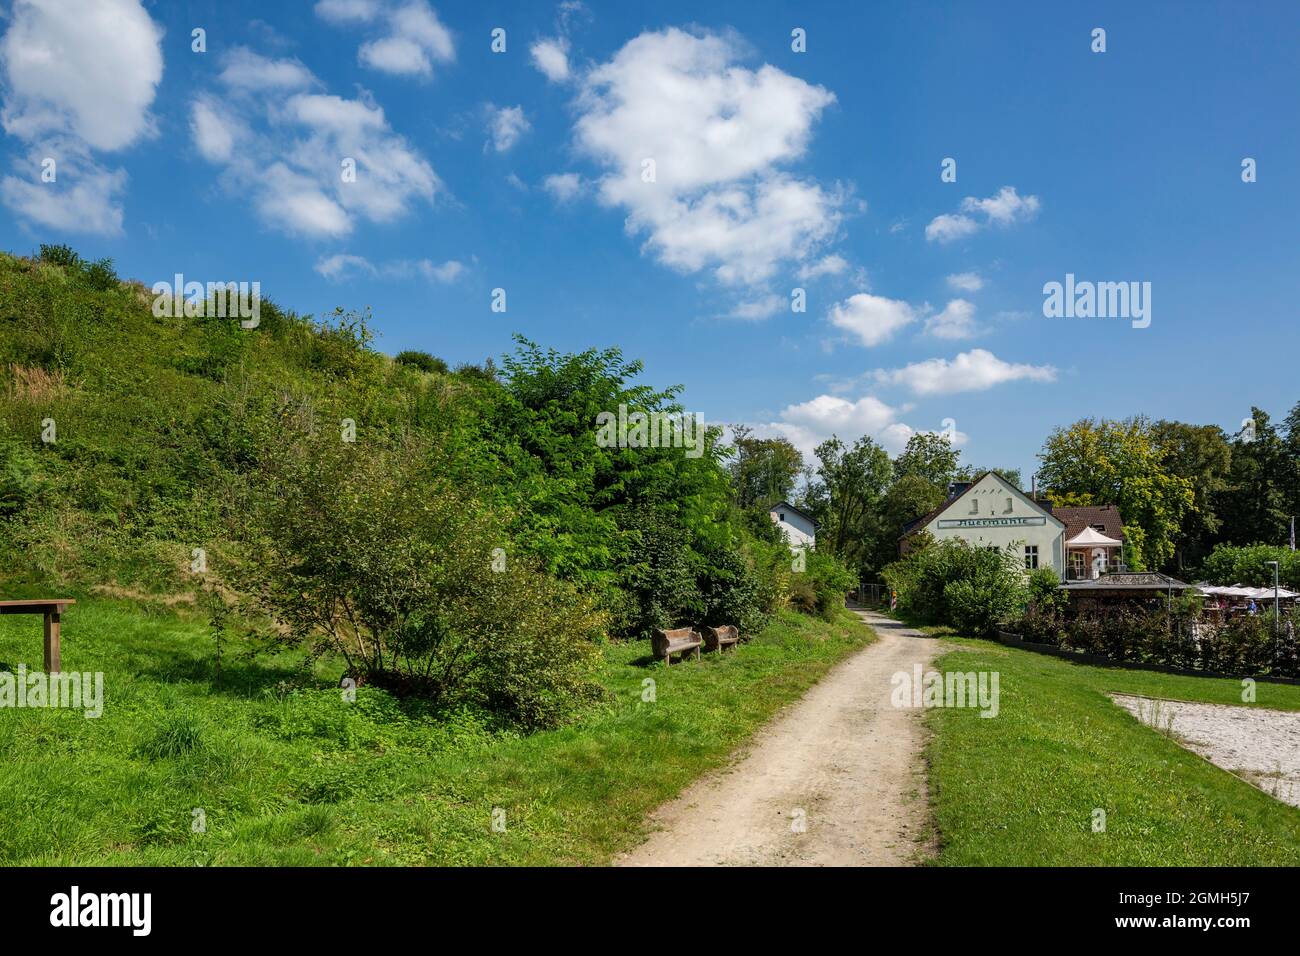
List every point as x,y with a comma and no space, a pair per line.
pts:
367,553
830,580
950,581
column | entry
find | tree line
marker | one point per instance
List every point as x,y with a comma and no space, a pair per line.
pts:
1182,489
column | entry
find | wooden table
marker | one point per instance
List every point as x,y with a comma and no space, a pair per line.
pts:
53,611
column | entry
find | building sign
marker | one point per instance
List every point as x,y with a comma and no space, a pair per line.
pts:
991,522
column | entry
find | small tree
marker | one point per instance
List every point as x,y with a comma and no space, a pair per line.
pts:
366,553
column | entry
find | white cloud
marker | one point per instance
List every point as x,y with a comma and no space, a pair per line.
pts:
82,68
716,133
1005,208
871,319
956,321
505,125
807,424
304,191
551,56
563,186
831,265
213,129
347,11
411,38
947,227
966,281
88,200
245,70
761,308
972,371
449,271
79,76
341,265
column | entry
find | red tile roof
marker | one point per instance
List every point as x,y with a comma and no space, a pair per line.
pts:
1076,519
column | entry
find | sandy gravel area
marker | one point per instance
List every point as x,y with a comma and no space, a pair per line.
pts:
837,779
1261,746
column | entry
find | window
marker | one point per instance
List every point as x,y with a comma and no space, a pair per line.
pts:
1009,507
1099,527
782,515
1031,556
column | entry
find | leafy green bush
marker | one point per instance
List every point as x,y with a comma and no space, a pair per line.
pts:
831,580
978,606
1247,566
61,255
421,360
17,477
370,554
101,276
994,590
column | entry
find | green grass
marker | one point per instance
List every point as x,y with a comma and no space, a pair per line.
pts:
1020,789
286,772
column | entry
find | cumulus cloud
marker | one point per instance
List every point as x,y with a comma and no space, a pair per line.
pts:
871,319
89,199
563,186
807,424
831,265
956,321
342,265
505,125
245,70
693,144
551,56
407,38
306,191
70,93
966,281
972,371
761,308
1005,208
348,11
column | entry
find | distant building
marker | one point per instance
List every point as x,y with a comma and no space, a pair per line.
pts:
991,512
798,527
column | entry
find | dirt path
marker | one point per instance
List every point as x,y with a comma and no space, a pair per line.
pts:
841,760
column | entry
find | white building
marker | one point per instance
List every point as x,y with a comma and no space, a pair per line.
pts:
991,512
799,529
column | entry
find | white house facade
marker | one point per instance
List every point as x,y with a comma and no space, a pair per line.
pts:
993,513
799,529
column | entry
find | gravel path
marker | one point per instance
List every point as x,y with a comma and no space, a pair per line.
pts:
1261,746
841,762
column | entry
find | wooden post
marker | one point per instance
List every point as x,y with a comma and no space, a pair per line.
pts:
53,662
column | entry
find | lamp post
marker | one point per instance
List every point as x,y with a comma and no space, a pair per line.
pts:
1275,611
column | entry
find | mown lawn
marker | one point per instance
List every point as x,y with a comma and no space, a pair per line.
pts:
1020,789
286,772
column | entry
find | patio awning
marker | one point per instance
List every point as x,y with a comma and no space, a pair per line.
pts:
1238,591
1090,538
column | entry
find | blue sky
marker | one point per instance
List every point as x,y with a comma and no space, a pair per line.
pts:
774,170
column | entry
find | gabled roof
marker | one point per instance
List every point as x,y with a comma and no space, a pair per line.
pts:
914,526
1076,519
784,505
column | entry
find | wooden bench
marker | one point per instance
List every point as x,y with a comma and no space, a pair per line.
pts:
53,611
681,639
720,638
